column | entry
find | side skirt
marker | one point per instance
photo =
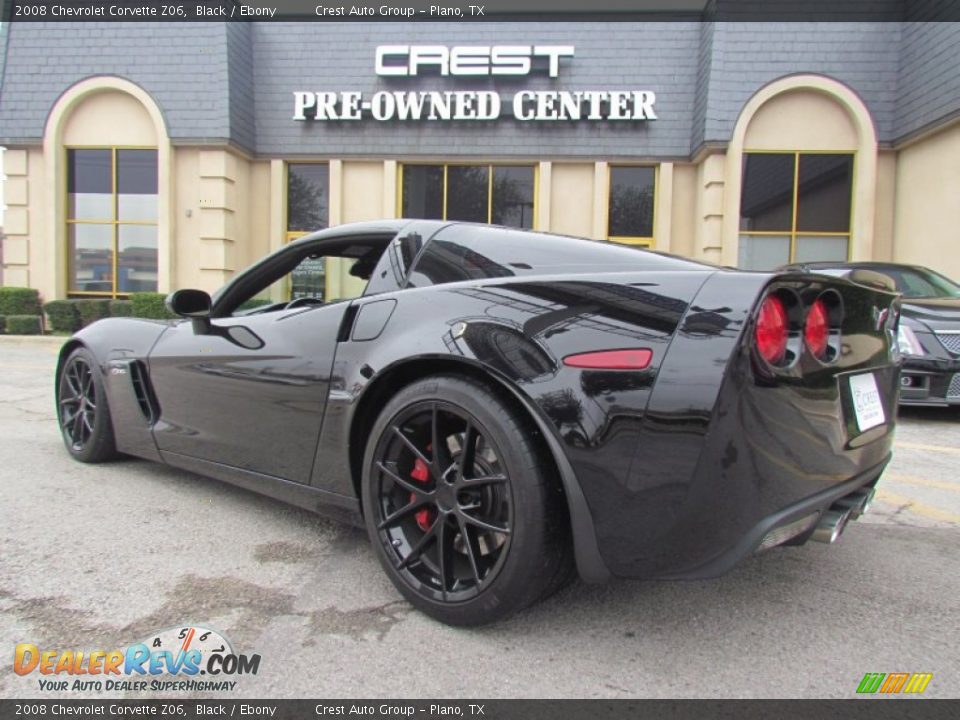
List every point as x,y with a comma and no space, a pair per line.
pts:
331,505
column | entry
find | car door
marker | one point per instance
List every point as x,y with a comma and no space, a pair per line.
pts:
251,396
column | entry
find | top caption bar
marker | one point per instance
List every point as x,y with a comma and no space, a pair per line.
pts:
480,10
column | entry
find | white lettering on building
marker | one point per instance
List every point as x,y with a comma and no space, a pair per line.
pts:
469,60
527,105
395,61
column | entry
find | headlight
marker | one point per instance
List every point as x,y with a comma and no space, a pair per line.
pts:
907,341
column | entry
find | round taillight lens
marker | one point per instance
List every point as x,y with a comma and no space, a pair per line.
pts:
772,330
817,330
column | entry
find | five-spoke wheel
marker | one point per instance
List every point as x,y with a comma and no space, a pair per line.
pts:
82,409
444,501
78,403
458,504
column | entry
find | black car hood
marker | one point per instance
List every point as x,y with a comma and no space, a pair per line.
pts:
936,311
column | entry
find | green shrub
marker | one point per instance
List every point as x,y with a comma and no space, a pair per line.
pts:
19,301
63,315
92,310
121,308
149,305
24,325
253,303
3,323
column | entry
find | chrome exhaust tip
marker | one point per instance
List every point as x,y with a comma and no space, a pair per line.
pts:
857,502
831,525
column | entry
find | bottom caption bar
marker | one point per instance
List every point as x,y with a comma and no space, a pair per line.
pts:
499,709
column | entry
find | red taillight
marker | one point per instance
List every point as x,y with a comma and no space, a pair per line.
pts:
611,360
817,329
772,330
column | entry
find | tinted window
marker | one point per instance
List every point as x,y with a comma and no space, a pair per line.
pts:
468,252
468,192
112,220
137,258
308,197
498,194
90,184
512,202
823,193
137,185
631,202
423,192
766,198
915,283
392,268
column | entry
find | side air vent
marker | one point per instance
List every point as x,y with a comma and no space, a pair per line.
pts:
144,394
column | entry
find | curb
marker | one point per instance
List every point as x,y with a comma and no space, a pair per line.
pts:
41,340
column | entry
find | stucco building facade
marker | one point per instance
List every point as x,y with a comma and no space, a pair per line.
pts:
154,156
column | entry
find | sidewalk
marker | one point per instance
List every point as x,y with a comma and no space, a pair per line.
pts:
44,341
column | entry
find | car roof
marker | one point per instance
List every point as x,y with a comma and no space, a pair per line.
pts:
865,265
358,229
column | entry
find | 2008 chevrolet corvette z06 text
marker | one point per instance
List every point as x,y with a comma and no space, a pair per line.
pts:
500,408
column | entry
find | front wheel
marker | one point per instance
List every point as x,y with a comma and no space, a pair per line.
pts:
82,409
460,504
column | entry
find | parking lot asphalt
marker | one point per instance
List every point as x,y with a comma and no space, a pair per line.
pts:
101,556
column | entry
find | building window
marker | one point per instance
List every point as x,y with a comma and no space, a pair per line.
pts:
794,207
112,220
308,210
497,194
631,203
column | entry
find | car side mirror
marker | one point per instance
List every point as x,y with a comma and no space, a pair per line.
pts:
194,305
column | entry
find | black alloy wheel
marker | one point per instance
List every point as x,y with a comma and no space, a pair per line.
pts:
444,501
82,409
78,404
450,475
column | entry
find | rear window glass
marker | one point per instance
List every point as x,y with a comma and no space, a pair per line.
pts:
469,252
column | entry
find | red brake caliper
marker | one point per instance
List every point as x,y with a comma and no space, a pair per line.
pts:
424,516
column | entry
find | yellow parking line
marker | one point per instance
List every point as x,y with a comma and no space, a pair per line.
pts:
918,507
910,480
922,446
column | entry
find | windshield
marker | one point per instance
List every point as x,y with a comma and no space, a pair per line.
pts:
917,283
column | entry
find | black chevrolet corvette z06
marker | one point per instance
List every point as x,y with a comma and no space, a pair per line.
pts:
500,408
929,333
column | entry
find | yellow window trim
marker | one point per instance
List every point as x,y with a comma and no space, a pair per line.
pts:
491,169
639,241
114,223
793,233
649,242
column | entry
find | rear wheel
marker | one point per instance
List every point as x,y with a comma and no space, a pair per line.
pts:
461,507
82,409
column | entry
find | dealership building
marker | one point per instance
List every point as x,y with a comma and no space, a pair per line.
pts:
146,156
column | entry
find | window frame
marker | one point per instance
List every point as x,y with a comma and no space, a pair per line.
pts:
793,233
636,240
114,224
491,167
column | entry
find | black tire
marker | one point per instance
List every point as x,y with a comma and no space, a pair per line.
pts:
486,537
82,410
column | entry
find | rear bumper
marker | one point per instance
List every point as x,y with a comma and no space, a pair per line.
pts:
707,483
751,541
